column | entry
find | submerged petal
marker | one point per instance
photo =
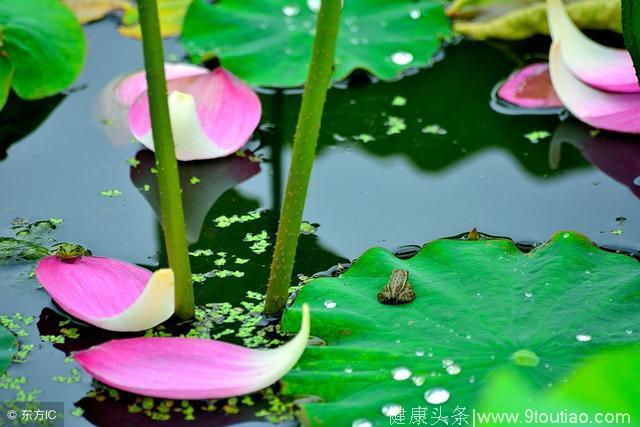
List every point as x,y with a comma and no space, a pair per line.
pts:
618,112
191,368
212,115
128,89
530,87
600,66
109,293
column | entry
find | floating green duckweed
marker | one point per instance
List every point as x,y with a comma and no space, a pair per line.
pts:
111,193
399,101
364,137
224,221
434,130
537,136
395,125
194,180
133,162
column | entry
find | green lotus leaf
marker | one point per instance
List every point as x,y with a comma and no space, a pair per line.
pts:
480,306
607,384
8,346
519,19
268,42
43,42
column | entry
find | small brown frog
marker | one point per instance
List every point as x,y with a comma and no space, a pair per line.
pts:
398,290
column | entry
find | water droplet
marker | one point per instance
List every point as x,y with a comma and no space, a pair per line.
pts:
436,396
446,362
583,337
472,379
314,5
636,181
348,370
361,422
419,353
418,380
628,331
402,58
330,303
391,410
415,13
401,373
525,357
565,235
290,10
453,369
528,294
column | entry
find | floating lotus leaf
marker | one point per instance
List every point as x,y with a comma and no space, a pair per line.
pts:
170,12
268,42
43,44
94,10
481,306
8,346
519,19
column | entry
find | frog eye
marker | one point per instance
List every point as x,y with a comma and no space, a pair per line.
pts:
109,293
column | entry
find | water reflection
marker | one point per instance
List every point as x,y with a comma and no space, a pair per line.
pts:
615,154
202,182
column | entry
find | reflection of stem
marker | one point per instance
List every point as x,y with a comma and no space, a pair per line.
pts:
303,154
168,178
555,153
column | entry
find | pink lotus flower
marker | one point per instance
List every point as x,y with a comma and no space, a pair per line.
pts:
597,84
191,368
213,114
109,293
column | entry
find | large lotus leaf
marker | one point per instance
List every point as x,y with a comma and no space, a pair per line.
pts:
268,42
45,45
607,383
8,346
480,306
519,19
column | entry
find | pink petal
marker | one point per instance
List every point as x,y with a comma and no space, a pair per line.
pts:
108,293
599,66
617,112
530,87
132,86
212,115
191,368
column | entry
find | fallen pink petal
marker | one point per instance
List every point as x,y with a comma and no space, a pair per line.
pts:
212,115
599,66
191,368
109,293
530,87
617,112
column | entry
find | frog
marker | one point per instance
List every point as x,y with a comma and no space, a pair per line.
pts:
67,251
398,290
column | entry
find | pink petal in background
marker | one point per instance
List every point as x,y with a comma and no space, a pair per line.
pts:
530,87
108,293
191,368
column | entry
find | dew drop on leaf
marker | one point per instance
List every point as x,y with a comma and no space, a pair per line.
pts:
391,410
362,422
453,369
418,380
330,303
583,337
290,10
415,13
402,58
419,353
401,373
436,396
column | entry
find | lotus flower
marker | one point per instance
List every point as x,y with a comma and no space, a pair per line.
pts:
191,368
213,114
109,293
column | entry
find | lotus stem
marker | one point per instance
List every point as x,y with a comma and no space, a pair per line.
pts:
303,154
168,179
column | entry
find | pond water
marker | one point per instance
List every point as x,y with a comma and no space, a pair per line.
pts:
386,175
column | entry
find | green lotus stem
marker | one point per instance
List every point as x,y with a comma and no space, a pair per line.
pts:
168,179
303,154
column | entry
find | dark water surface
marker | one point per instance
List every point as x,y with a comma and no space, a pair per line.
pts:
404,186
